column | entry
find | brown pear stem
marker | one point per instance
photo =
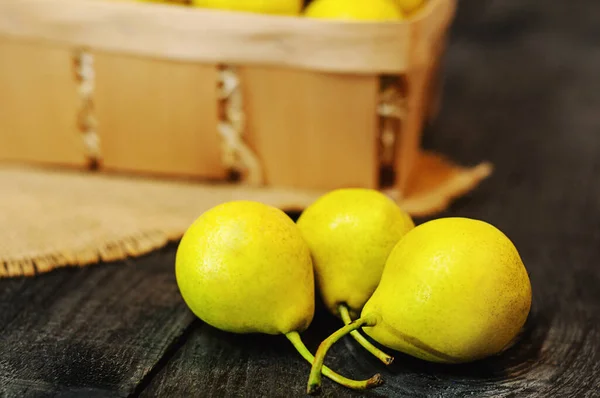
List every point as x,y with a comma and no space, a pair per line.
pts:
360,339
314,380
296,340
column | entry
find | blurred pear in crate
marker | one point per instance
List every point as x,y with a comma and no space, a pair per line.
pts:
279,94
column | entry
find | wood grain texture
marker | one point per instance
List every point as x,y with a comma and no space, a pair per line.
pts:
536,119
213,36
88,332
38,104
312,130
157,117
217,364
426,46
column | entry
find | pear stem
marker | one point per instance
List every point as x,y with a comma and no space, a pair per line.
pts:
314,380
382,356
296,340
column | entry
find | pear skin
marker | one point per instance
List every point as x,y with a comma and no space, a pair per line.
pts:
243,267
269,7
362,10
453,290
350,233
409,6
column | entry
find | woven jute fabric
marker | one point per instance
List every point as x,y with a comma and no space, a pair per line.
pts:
55,218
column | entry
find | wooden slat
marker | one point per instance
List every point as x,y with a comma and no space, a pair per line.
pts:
38,104
427,40
89,332
211,36
157,116
218,364
541,184
312,130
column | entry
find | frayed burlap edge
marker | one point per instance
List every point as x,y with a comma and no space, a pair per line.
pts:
56,218
131,246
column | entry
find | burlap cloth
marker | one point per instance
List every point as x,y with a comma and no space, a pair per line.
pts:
54,218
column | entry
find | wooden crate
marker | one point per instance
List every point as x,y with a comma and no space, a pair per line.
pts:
305,110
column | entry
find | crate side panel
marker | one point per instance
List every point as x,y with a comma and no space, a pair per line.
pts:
38,104
157,117
312,130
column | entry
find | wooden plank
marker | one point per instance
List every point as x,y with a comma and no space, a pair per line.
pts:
95,331
157,117
38,104
213,363
557,357
559,350
427,39
212,36
312,130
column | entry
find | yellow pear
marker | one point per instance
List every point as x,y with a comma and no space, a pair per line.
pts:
277,7
350,233
453,290
171,2
243,267
409,6
354,10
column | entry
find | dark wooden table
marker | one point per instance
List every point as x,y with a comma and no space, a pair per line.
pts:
522,90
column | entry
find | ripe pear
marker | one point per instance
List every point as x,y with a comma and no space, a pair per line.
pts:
274,7
409,6
354,10
350,233
243,267
453,290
